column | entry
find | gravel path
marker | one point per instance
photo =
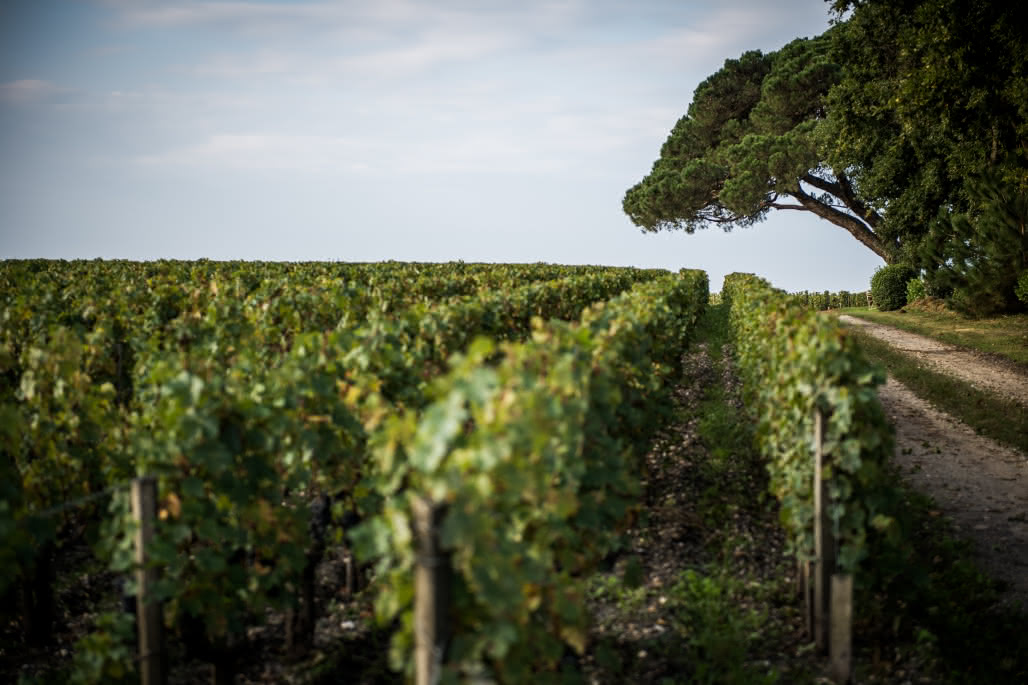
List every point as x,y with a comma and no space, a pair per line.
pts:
980,484
979,370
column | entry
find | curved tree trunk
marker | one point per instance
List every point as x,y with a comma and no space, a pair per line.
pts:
859,229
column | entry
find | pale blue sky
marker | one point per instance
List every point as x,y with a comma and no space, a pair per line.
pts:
386,129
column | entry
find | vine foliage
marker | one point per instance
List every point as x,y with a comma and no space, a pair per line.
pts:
794,361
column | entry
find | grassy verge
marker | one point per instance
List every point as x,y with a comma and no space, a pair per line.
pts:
1004,336
999,419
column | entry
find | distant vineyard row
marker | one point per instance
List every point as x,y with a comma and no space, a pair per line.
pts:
821,301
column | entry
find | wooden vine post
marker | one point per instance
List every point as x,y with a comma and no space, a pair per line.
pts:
824,548
833,592
840,657
807,593
431,593
152,663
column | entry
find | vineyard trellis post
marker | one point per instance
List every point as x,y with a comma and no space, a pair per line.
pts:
840,640
833,592
824,547
431,592
152,664
806,594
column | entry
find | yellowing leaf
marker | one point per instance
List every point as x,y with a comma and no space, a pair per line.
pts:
575,637
172,505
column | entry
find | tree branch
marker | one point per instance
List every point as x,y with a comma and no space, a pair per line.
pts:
775,205
826,186
854,226
720,220
849,196
843,189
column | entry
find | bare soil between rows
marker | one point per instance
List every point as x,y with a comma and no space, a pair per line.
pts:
981,485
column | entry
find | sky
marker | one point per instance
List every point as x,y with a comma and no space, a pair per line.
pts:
415,130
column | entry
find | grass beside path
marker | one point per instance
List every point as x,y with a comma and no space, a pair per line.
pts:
1004,336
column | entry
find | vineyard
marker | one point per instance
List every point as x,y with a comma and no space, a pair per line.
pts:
828,300
289,411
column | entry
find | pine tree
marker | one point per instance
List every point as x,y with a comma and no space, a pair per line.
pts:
981,255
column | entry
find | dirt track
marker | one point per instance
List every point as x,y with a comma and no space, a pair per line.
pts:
980,484
981,371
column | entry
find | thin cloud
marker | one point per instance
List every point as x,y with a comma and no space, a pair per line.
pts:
262,63
27,91
547,136
265,152
155,104
430,52
240,15
476,152
306,18
105,50
729,31
414,58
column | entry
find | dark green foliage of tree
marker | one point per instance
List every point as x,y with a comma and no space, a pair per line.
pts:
750,143
981,256
934,92
889,286
915,290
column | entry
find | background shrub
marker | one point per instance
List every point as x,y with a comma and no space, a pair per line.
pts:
915,290
1022,288
889,286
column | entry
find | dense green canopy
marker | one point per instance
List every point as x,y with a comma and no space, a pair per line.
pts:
933,96
876,126
751,142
